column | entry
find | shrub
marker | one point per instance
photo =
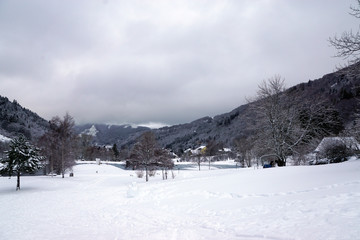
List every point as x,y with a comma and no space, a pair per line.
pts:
140,173
336,152
152,173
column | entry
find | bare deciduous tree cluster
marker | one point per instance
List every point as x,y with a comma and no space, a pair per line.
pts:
287,124
59,144
146,154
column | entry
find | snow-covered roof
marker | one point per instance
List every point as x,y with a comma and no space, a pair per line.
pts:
227,149
350,142
195,151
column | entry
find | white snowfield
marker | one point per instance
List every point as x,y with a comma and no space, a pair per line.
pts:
304,202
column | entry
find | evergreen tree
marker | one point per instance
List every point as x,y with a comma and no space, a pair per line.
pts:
115,151
21,158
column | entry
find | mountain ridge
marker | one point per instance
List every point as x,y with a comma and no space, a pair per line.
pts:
340,90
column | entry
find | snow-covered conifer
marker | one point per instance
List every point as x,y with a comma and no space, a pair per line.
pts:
21,158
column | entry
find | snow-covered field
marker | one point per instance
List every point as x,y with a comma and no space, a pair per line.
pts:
106,202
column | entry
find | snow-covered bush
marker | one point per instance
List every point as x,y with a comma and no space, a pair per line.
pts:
140,173
336,152
152,172
333,151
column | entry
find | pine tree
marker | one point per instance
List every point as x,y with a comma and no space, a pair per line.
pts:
115,151
21,158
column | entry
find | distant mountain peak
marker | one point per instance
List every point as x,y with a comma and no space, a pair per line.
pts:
108,134
92,131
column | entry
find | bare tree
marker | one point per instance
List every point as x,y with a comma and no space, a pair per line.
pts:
211,150
285,122
199,157
143,153
59,144
348,44
85,142
148,155
124,153
243,146
163,161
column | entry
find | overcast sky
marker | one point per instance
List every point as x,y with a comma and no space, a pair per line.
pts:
164,62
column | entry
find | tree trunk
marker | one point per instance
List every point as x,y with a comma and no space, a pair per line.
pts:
18,181
281,162
51,165
62,163
147,174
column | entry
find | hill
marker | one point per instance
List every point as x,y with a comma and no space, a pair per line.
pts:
105,134
15,119
339,90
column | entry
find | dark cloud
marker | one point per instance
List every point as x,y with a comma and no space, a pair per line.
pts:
160,61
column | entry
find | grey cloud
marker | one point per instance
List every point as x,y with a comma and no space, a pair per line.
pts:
159,61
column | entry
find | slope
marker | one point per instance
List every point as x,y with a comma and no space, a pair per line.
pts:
339,90
15,119
304,202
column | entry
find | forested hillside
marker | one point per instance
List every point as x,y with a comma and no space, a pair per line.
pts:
15,119
339,91
104,134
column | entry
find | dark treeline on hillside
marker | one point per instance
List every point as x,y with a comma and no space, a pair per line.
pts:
15,119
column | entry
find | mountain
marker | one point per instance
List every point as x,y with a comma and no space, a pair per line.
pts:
339,90
105,134
15,119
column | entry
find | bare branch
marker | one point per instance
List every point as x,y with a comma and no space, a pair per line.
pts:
348,44
355,11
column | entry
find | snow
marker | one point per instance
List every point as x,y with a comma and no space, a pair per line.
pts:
195,151
4,139
107,202
92,131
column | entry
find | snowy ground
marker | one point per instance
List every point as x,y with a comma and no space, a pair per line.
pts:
305,202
